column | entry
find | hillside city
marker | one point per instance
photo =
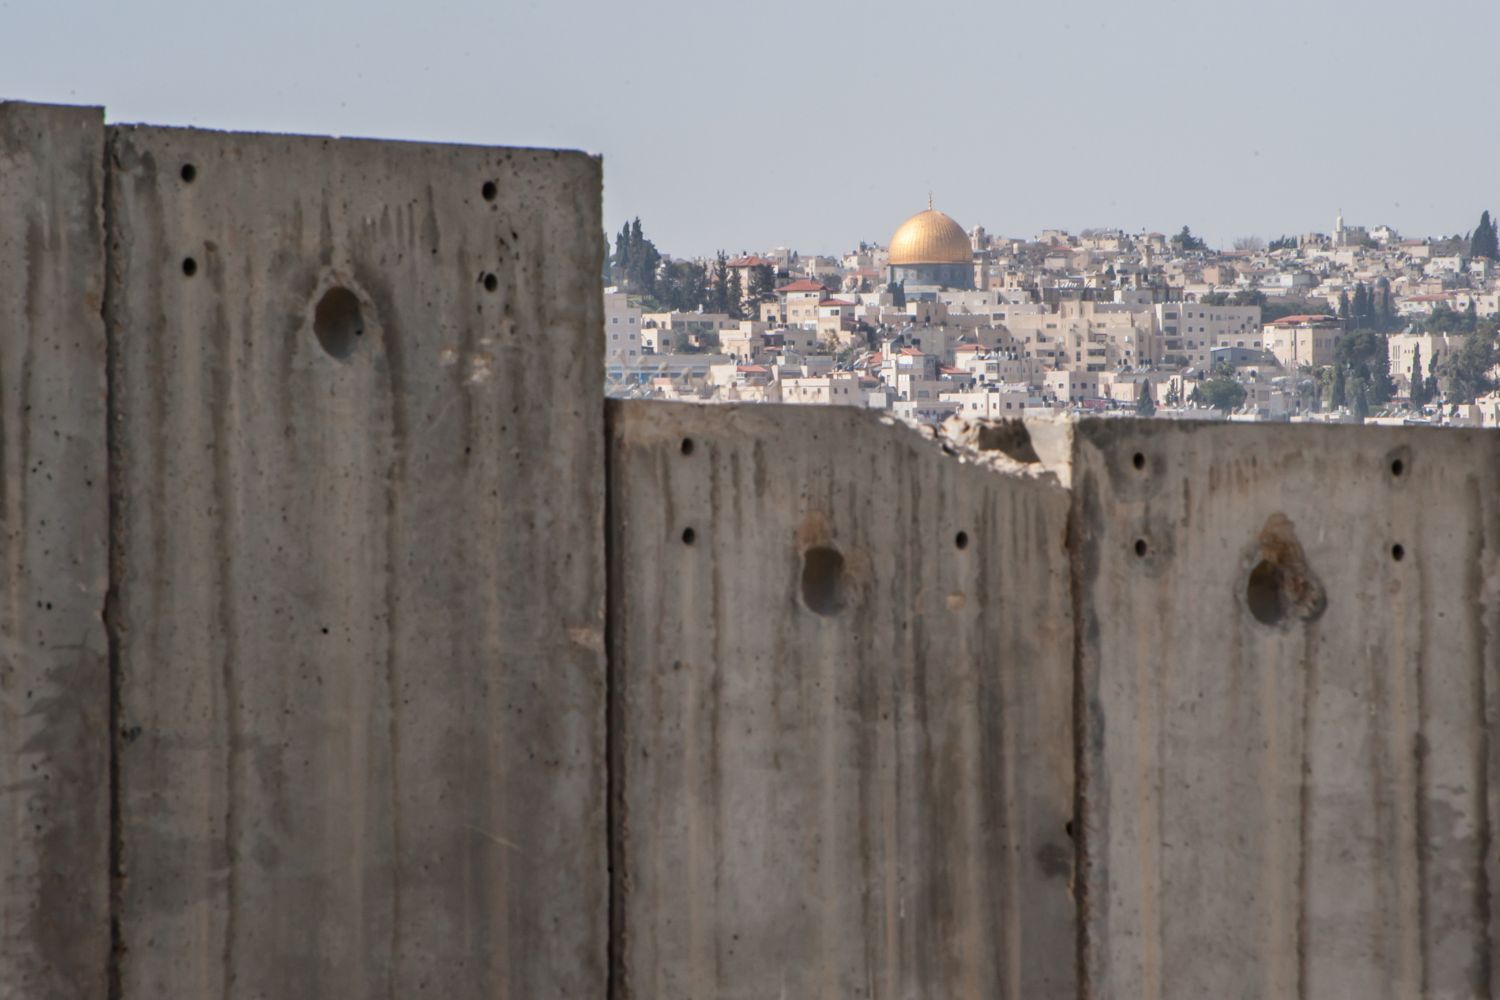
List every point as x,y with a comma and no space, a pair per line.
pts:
1357,325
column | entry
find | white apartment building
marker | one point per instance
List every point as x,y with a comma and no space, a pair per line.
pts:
993,400
1190,330
622,327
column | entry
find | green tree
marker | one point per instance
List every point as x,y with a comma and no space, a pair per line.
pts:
1145,406
735,295
1337,377
1361,400
1365,355
1248,297
1284,243
1223,394
1173,397
1186,242
682,286
898,294
1385,313
1344,305
1361,307
719,289
1418,383
762,287
1468,368
1382,386
1484,243
635,260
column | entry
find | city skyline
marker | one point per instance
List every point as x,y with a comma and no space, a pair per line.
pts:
820,125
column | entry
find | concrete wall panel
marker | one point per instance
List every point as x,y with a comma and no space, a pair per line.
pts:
835,781
359,463
1288,776
54,669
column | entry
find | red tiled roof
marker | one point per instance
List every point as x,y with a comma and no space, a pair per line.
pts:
752,262
967,349
803,286
834,302
911,352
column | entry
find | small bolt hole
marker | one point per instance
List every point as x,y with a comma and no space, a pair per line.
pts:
1140,547
1069,827
1398,552
1139,461
189,266
689,536
489,190
491,282
687,446
1397,467
189,173
961,540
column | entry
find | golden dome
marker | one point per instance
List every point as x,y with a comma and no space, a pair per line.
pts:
930,237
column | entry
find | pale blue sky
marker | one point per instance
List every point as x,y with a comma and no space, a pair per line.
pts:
818,124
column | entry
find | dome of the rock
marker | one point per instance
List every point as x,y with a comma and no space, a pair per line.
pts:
930,250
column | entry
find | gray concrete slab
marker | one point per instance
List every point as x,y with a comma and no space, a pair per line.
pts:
359,478
842,712
54,517
1288,773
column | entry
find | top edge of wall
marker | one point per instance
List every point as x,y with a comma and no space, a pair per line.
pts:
130,126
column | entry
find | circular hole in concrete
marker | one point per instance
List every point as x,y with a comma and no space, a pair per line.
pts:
1263,593
1397,467
823,580
687,446
1140,547
189,266
489,190
338,322
491,282
689,536
1398,552
961,540
1068,826
189,173
1139,461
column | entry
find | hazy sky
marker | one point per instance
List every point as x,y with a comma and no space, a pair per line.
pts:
818,124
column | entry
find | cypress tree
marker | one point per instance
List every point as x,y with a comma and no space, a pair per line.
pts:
1484,242
1381,386
1145,406
735,296
719,292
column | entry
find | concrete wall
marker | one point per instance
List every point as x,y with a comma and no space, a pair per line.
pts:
358,471
54,569
1101,710
1291,722
835,776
